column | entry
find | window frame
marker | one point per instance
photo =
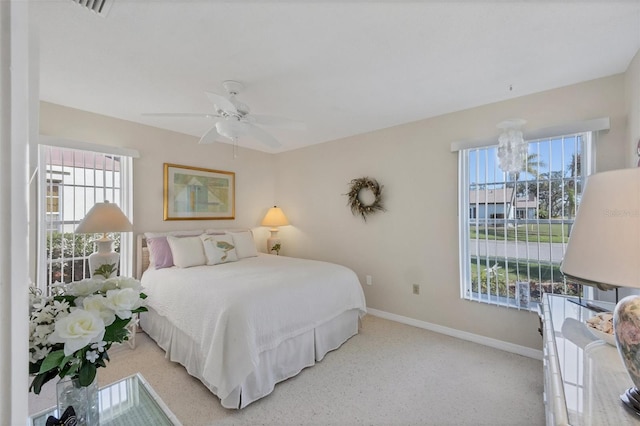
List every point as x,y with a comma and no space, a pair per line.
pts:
124,201
464,215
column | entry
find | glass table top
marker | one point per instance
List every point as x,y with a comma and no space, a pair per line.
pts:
592,373
130,401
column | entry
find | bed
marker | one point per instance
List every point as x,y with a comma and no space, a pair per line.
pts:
250,321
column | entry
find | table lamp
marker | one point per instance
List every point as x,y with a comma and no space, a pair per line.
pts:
274,218
104,218
604,251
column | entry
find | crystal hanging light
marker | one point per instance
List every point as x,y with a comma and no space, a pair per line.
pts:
512,148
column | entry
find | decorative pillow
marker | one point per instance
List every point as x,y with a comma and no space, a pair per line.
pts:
186,251
218,248
159,252
245,246
158,248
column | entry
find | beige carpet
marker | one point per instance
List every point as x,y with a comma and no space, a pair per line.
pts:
389,374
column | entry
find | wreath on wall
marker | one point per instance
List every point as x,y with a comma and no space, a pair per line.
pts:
358,207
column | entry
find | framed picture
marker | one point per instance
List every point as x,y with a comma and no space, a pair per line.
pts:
194,193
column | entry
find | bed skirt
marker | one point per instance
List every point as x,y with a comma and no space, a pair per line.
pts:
275,365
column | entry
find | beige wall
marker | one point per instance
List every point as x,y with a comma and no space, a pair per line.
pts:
632,98
416,240
255,191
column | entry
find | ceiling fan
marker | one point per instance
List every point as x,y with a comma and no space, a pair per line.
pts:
233,119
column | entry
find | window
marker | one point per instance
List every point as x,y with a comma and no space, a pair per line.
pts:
515,226
71,182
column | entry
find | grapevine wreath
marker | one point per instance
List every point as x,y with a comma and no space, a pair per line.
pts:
356,205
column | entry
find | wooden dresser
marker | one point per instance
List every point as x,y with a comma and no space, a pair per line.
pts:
583,376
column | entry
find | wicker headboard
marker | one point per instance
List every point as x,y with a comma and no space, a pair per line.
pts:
142,255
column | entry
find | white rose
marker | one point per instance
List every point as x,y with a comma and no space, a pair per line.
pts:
85,287
96,303
77,330
126,282
109,284
123,301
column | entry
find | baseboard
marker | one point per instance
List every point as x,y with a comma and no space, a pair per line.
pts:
476,338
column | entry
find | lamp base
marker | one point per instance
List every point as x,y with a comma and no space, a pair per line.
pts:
273,240
631,399
104,262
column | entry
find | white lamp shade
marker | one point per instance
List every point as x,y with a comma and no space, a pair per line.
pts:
104,217
604,243
275,217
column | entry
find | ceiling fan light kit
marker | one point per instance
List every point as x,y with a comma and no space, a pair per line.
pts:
231,129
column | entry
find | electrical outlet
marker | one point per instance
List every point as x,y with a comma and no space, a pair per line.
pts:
369,282
416,289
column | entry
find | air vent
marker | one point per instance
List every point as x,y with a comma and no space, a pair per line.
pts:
100,7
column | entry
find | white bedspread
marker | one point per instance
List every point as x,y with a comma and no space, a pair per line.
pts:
237,310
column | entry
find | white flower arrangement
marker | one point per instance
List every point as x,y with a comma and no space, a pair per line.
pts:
71,332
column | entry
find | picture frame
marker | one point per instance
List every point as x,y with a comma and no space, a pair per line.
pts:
195,193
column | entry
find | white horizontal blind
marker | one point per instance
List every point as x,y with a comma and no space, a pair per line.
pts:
514,226
71,182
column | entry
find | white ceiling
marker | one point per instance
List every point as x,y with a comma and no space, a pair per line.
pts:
343,68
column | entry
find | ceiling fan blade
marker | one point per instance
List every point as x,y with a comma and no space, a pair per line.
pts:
221,103
209,137
180,114
264,137
270,120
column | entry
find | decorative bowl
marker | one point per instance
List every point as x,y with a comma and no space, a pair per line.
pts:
609,338
601,326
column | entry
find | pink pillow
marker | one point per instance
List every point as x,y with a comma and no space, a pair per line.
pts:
160,252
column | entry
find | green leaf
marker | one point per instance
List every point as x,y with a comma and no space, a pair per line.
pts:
66,298
105,270
69,369
116,332
41,379
118,336
52,361
34,367
87,373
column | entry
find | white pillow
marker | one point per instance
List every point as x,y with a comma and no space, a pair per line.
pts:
245,246
186,251
218,248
